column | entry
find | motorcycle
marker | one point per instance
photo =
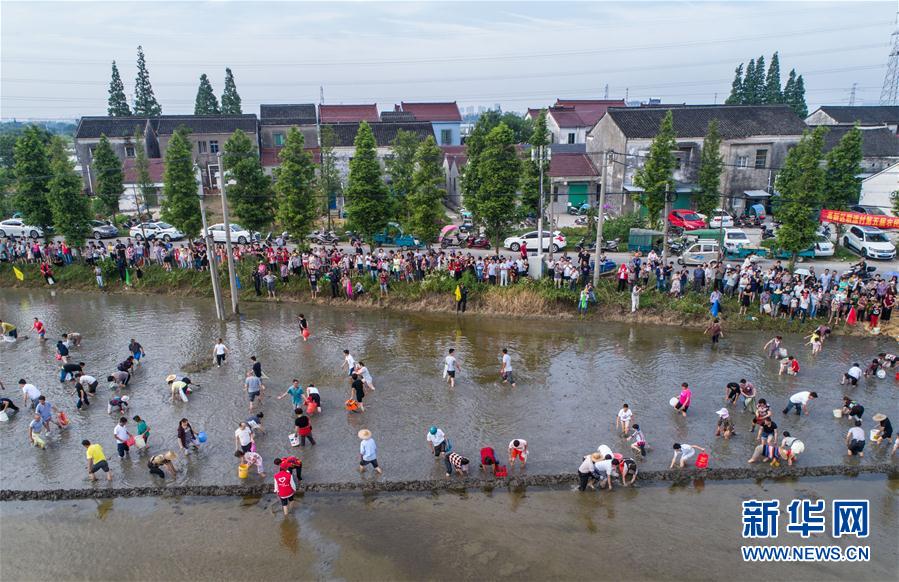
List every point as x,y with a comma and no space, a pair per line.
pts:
863,271
578,210
768,232
478,242
608,246
324,237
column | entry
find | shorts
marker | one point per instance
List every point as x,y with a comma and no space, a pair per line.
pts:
680,406
136,356
441,448
509,377
219,358
856,446
853,381
101,466
689,455
451,373
285,501
252,395
246,448
373,463
516,454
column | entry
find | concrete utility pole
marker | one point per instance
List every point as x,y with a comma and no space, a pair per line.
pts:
207,238
665,232
232,275
540,154
606,158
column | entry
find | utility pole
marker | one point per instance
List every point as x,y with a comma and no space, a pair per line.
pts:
232,275
606,157
213,267
540,154
665,232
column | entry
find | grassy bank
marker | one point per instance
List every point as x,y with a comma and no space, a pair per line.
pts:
527,299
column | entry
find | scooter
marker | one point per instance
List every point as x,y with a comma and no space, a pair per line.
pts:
478,242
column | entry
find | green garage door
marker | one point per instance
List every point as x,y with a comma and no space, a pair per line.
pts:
682,202
577,192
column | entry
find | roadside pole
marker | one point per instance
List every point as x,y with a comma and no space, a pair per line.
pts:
232,275
210,255
606,156
721,248
540,154
665,222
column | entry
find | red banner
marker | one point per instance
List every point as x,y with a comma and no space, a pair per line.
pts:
859,218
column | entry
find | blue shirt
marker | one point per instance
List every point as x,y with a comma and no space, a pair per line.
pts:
296,394
45,410
368,449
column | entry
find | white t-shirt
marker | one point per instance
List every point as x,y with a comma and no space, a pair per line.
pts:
121,433
686,451
437,438
625,414
522,445
350,362
586,465
856,434
86,380
855,372
450,363
800,397
604,466
312,390
31,391
243,435
507,362
220,349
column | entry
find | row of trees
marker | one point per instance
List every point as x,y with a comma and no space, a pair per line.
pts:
145,102
756,87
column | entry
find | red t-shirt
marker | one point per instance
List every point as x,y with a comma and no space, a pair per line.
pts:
488,453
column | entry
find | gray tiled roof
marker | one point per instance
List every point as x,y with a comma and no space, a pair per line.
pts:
876,143
865,115
384,132
93,127
292,114
734,121
167,124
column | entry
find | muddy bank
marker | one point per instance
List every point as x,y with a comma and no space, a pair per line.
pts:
432,485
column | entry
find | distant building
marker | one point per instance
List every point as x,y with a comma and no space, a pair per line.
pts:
120,132
863,115
131,194
444,117
348,113
880,146
569,120
454,160
881,189
384,133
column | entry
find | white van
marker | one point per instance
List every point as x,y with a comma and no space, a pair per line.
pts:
701,251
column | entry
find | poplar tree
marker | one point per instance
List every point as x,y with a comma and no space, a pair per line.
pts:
401,169
842,185
330,186
758,81
366,192
68,204
499,177
144,185
108,170
736,96
711,165
657,171
144,100
530,183
749,95
773,93
181,201
426,199
117,103
230,98
801,186
295,186
206,103
794,94
251,195
32,172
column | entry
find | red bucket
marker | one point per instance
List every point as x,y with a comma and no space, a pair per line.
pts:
702,461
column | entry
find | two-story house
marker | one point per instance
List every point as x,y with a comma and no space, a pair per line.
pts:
120,131
863,115
569,120
880,146
274,123
444,118
754,143
384,133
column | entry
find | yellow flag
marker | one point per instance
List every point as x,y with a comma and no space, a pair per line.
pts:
19,274
458,294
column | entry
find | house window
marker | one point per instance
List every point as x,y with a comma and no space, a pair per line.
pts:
213,146
129,151
761,159
201,147
213,176
742,161
571,137
446,137
555,193
278,138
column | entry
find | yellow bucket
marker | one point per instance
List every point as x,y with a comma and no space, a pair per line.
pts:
243,470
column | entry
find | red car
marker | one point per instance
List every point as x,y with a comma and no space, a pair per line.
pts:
686,219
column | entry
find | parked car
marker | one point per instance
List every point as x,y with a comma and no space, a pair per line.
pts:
870,242
686,219
100,229
719,216
872,210
156,230
239,234
554,241
16,228
823,246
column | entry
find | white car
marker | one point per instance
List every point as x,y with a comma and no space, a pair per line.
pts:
156,231
551,240
719,216
870,242
239,234
14,227
823,247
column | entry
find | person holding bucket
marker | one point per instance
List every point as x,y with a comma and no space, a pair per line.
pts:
246,459
123,438
686,453
304,327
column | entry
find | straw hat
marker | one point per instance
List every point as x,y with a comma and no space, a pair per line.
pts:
879,417
724,413
364,434
170,455
596,457
171,378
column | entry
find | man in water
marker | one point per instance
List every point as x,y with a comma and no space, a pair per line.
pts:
256,367
137,351
30,392
623,419
219,352
357,390
852,375
96,460
451,366
349,362
8,330
39,328
799,401
685,451
518,450
254,387
159,464
119,379
855,440
505,370
714,330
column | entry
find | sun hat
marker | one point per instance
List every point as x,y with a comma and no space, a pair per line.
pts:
170,455
879,417
723,413
364,434
171,378
595,457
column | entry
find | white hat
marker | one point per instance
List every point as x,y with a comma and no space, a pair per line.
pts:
723,413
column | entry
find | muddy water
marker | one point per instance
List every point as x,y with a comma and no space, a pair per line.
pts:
653,533
572,378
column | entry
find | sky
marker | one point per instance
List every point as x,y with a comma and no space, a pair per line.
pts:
55,56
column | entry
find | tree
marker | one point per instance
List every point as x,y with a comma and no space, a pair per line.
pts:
230,98
401,169
758,81
801,187
32,171
144,100
118,103
181,201
794,94
476,141
736,96
657,170
530,182
426,198
521,126
749,95
68,204
773,93
711,164
108,169
366,192
251,195
842,186
295,186
206,103
146,189
499,175
330,186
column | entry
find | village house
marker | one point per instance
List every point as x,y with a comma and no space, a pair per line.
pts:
120,131
444,118
454,160
863,115
754,143
274,123
569,120
384,133
573,177
881,189
880,146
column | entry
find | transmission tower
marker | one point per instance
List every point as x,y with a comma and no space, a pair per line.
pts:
889,95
